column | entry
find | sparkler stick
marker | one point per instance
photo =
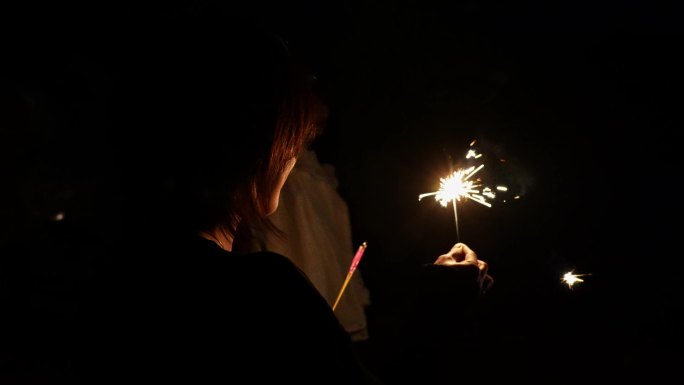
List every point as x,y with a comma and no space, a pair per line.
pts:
458,236
352,268
453,201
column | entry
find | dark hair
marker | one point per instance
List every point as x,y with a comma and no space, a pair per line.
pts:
213,110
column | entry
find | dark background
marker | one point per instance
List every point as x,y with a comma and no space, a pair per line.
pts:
581,100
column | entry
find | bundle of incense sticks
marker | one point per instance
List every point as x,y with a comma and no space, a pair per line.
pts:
352,268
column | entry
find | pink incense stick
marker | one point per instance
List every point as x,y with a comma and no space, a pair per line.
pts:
352,268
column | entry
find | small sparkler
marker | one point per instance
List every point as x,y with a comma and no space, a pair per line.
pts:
570,278
459,185
352,268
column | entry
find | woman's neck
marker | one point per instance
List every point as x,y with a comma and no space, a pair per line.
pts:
222,238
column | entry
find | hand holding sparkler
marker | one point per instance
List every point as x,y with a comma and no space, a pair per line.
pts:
462,256
352,268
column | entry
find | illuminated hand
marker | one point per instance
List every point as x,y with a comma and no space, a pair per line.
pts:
462,257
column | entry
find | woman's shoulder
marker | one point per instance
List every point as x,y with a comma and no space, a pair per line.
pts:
270,260
263,262
269,268
256,270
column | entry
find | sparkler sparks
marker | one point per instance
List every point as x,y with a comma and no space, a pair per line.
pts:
570,278
460,184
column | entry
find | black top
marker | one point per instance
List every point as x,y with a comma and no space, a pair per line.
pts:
199,313
190,311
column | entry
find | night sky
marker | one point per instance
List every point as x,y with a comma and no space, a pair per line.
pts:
582,101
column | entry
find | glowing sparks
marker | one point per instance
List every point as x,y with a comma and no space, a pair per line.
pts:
458,185
570,278
472,154
462,184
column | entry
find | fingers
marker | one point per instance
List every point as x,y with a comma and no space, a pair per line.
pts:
486,280
461,252
487,283
462,256
469,255
483,266
445,260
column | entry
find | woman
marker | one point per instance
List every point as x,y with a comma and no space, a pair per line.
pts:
211,117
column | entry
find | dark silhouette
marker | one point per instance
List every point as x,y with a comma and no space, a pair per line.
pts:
195,125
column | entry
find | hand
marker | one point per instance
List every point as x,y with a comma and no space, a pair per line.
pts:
462,257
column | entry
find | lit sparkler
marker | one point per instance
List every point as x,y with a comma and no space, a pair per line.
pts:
570,278
460,185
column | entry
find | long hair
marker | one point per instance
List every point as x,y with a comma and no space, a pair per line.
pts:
211,112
